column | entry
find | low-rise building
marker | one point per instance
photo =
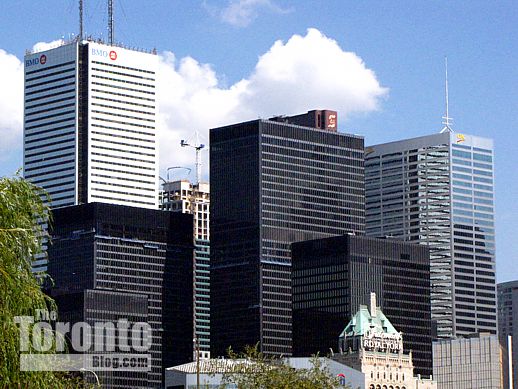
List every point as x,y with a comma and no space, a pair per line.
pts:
210,373
468,363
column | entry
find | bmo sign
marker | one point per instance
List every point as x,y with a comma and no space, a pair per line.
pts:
112,54
41,60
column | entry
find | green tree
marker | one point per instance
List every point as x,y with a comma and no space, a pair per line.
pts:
22,213
253,370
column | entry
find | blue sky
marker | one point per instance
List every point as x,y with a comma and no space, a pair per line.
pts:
380,64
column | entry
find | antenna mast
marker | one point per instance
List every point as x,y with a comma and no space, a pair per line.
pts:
110,22
80,20
446,119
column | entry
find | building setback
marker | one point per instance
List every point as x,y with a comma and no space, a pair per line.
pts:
438,190
274,183
332,277
111,262
183,196
507,326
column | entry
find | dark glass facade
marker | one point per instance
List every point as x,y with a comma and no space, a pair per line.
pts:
111,262
333,276
273,183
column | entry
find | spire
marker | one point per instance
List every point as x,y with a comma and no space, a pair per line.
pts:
110,23
446,119
80,20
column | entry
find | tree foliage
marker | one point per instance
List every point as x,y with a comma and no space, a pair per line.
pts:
22,213
254,370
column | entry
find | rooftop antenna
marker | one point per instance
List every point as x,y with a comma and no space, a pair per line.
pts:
110,22
80,20
446,119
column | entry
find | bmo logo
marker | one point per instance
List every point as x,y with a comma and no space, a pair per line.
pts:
36,61
112,54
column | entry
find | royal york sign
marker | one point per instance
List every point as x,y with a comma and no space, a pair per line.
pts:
381,341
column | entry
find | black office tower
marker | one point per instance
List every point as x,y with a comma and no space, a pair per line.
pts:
274,182
333,276
112,262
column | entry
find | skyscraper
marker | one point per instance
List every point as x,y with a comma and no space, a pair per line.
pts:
182,196
274,183
90,124
110,262
333,277
439,190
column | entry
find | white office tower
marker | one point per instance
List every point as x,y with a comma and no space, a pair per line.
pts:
90,124
438,190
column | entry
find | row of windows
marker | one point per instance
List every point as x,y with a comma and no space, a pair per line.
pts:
53,150
122,150
127,102
123,109
97,196
123,81
123,67
118,157
60,93
124,123
63,85
42,174
470,192
67,139
122,164
472,171
123,88
472,178
122,186
73,69
47,68
123,95
37,138
70,77
470,163
46,158
111,134
46,117
123,116
123,171
52,123
123,74
49,102
122,143
45,168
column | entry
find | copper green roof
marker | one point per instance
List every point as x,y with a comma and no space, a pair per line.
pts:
363,321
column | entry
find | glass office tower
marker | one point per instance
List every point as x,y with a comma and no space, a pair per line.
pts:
274,182
439,190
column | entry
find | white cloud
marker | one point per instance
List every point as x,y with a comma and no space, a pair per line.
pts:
307,72
304,73
43,46
241,13
11,105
